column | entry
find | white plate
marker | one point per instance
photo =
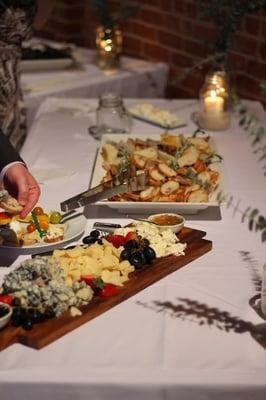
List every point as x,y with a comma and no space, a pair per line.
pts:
73,228
149,206
45,65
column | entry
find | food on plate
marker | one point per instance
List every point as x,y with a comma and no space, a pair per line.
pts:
54,234
179,168
39,227
155,114
5,218
8,203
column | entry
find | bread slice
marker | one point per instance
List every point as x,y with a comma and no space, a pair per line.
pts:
9,203
29,239
54,234
53,239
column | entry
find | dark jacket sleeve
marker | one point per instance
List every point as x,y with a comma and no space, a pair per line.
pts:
7,152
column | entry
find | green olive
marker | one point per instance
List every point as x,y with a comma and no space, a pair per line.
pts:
55,217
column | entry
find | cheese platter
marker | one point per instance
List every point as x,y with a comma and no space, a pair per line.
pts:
191,245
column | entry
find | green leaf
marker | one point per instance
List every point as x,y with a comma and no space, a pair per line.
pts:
37,225
99,283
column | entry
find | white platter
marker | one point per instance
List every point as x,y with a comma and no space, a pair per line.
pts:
73,228
180,124
45,65
150,207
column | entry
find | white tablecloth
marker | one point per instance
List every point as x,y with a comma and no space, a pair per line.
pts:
136,78
135,351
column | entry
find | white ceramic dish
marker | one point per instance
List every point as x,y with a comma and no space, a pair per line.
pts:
5,319
73,228
174,228
155,123
148,206
45,65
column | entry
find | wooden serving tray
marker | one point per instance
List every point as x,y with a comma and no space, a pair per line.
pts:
50,330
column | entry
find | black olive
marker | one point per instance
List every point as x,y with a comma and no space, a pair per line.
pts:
35,315
26,323
95,234
16,312
88,240
15,320
100,241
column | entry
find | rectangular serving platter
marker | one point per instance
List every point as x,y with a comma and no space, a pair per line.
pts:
154,123
149,207
51,330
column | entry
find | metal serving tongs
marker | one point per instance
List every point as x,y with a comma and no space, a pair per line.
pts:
121,183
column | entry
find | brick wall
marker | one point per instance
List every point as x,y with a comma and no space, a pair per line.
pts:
168,30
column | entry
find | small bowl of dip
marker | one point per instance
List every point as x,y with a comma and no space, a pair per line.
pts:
5,314
175,222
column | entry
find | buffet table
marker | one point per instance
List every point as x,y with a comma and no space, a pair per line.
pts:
135,78
157,344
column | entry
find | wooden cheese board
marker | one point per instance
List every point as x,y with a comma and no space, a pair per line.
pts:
46,332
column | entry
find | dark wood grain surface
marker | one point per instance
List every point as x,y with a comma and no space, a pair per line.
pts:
50,330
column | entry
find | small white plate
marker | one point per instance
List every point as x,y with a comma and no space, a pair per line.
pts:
73,228
139,207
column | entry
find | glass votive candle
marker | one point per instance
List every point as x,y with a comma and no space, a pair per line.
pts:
214,111
109,47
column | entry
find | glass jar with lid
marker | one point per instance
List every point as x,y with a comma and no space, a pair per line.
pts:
111,115
215,102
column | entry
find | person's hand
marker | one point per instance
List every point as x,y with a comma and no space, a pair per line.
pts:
19,182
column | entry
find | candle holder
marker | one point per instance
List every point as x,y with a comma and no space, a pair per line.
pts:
109,47
215,105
